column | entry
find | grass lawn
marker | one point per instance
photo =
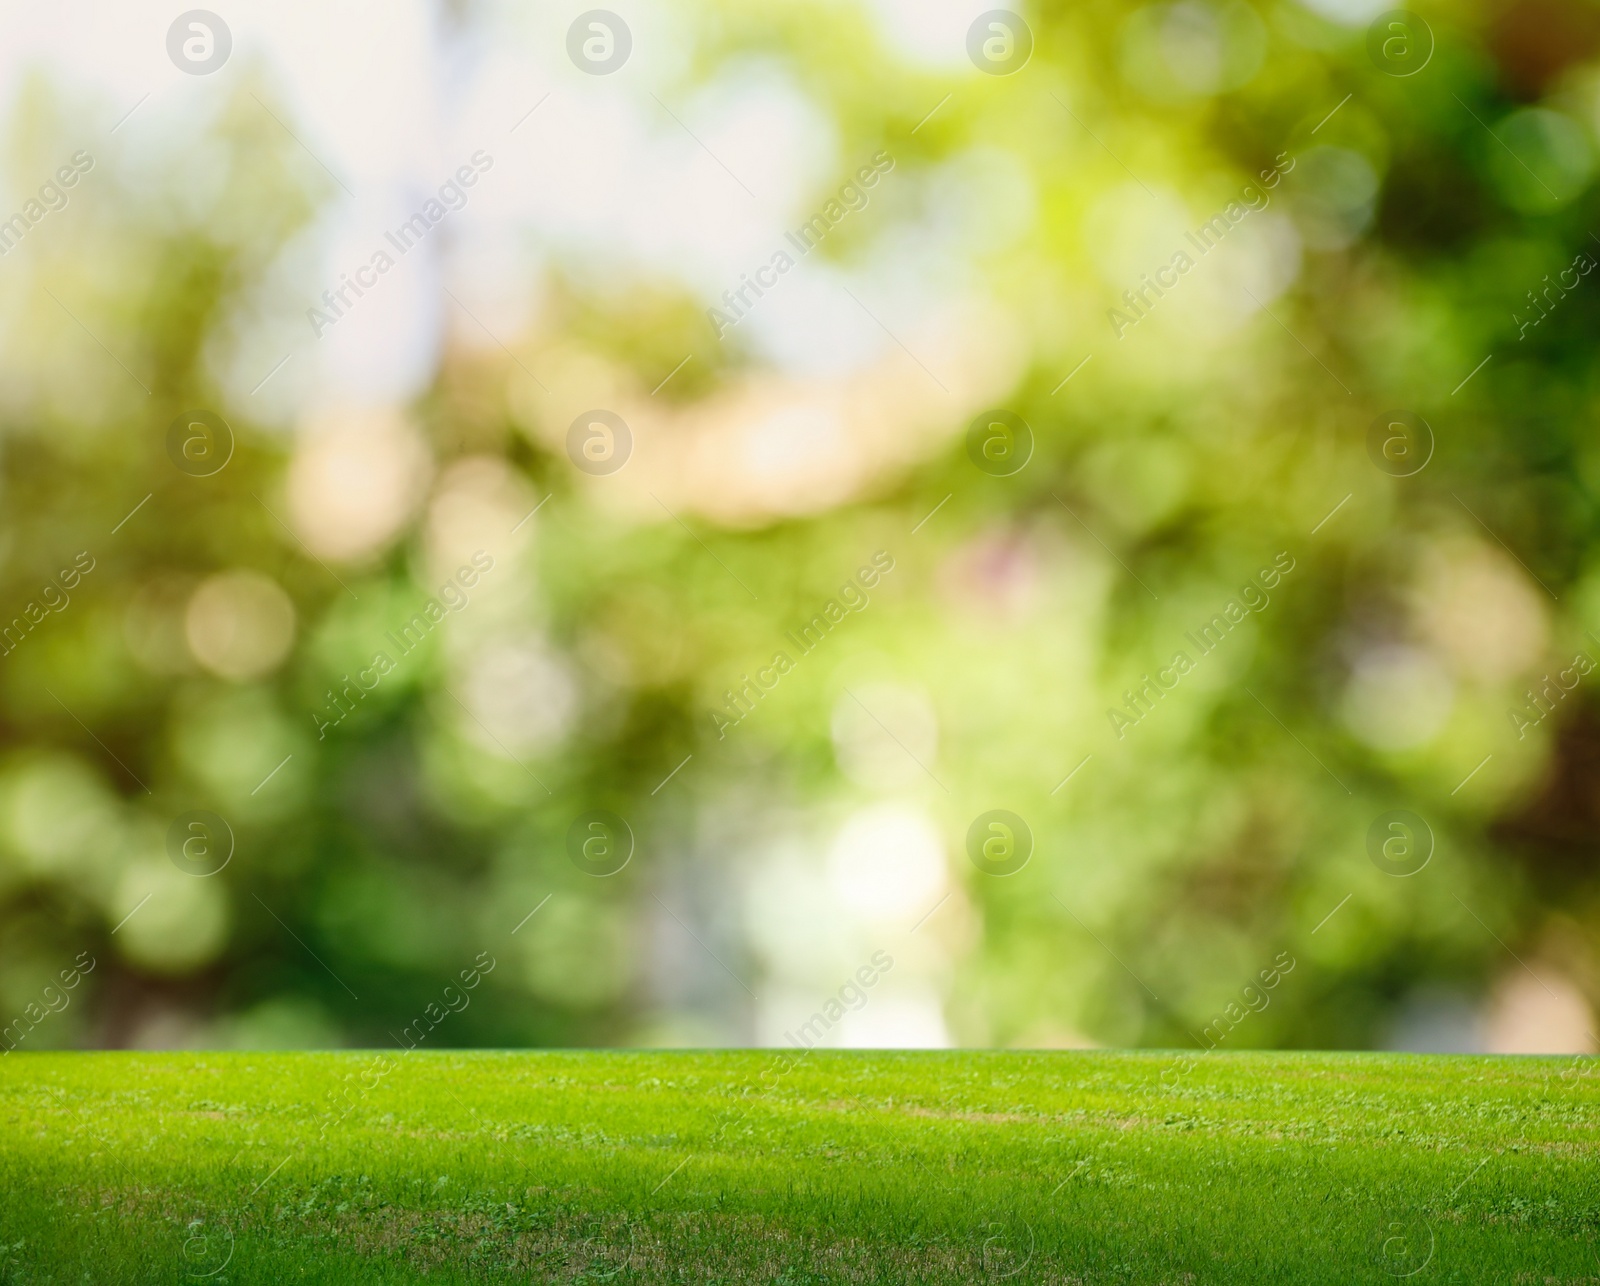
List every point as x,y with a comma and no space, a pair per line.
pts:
832,1167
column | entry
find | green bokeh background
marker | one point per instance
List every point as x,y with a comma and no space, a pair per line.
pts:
1182,857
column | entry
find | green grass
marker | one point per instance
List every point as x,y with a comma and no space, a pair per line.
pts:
842,1167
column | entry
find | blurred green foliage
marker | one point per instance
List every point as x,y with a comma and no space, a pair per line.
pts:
1226,826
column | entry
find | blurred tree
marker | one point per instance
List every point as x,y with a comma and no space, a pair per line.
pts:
1338,439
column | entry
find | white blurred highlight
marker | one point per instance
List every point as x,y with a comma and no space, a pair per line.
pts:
1538,1011
239,624
521,694
355,480
885,735
1398,698
1480,610
887,864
